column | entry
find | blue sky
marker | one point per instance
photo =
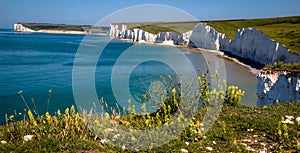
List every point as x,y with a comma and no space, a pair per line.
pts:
91,11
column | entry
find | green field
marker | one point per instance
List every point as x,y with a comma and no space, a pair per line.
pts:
48,26
284,66
285,30
155,27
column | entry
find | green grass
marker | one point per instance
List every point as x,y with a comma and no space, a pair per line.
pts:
156,27
49,26
231,132
282,66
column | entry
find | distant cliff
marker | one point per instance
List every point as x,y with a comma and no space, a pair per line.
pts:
59,28
21,28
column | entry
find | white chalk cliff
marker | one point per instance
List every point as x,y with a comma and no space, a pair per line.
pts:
281,86
21,28
248,43
138,35
206,37
254,45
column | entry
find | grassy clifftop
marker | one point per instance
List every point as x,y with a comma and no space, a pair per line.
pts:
65,27
47,26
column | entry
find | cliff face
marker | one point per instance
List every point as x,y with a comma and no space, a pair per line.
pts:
254,45
249,43
138,35
277,85
21,28
206,37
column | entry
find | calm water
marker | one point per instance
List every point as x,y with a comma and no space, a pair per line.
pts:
35,63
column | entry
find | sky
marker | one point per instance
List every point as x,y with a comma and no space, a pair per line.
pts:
89,12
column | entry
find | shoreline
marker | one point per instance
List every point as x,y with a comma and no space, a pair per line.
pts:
63,32
253,67
254,70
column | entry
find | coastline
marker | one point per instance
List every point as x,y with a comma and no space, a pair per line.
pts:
62,32
253,67
254,70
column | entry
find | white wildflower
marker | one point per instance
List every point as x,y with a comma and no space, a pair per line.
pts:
116,136
3,142
298,120
214,142
246,140
28,137
289,117
123,147
249,129
250,149
264,150
204,137
287,121
187,143
209,148
103,141
184,150
109,130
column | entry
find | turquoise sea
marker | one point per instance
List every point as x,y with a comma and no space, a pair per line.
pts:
37,62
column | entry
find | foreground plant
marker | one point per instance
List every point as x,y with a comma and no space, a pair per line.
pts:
237,128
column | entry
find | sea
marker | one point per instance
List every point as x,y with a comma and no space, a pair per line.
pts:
41,66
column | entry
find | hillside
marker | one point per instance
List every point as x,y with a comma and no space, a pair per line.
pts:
65,27
237,129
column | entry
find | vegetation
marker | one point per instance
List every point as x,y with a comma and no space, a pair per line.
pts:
283,66
156,27
48,26
237,128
